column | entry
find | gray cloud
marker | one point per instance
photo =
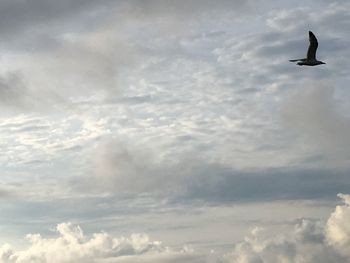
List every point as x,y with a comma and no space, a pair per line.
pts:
21,16
17,95
123,168
218,185
14,92
37,24
182,8
84,65
88,64
314,115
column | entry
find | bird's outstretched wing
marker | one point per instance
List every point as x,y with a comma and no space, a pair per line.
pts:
311,52
295,60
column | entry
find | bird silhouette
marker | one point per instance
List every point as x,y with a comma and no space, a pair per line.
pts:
310,59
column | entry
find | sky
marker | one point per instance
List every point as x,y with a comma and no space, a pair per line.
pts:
174,131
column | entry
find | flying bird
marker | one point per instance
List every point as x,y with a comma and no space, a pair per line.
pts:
310,59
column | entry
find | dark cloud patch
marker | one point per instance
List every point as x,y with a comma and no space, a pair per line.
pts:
16,95
228,186
37,24
5,194
183,7
20,15
120,168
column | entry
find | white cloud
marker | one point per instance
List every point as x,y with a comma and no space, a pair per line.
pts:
72,246
338,227
309,242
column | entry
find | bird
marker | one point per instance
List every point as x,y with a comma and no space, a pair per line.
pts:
310,59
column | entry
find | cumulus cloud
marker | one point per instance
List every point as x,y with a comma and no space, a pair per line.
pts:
338,227
310,241
72,245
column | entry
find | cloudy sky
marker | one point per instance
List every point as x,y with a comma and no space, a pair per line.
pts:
174,131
